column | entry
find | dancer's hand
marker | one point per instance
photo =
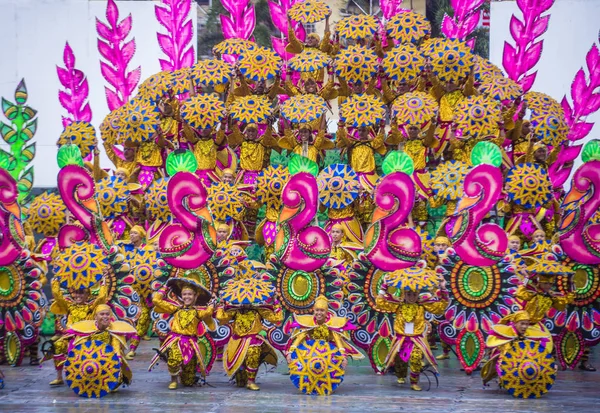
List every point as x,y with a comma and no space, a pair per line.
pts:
345,363
288,358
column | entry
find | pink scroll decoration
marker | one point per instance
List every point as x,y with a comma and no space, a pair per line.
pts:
74,97
241,21
191,241
390,8
12,237
579,239
177,44
518,60
279,13
77,189
118,54
388,245
298,244
478,245
467,14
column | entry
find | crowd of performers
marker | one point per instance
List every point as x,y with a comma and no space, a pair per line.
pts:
442,220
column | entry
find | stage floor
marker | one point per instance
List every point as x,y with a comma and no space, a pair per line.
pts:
27,390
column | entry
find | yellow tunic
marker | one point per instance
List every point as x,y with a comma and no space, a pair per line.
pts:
289,142
537,305
74,312
362,153
185,319
411,313
148,154
252,152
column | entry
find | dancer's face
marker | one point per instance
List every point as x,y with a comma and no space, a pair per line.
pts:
80,296
320,315
304,135
222,234
545,286
411,297
129,154
413,132
135,237
539,237
310,86
336,234
514,244
440,247
227,178
521,327
251,133
541,154
121,175
188,296
103,319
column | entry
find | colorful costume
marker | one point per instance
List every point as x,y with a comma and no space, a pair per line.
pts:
88,332
409,346
188,325
319,349
74,313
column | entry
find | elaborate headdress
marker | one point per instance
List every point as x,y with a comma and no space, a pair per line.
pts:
521,315
139,230
321,303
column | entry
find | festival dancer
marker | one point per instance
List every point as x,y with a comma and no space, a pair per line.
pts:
186,300
246,348
137,236
253,149
323,325
107,329
537,295
78,307
409,346
515,326
304,142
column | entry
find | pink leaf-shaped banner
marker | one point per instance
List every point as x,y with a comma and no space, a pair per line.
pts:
463,23
75,94
118,54
390,8
176,44
519,59
241,21
279,13
585,95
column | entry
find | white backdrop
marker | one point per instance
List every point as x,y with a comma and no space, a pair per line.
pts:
573,28
34,33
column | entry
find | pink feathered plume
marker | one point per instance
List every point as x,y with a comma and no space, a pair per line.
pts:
467,14
177,44
74,93
520,59
118,53
279,13
241,21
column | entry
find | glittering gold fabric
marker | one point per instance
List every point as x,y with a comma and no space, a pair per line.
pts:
205,152
148,154
537,305
175,360
251,156
448,103
320,333
418,153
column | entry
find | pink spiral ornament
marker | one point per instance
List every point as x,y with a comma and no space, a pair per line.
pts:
478,245
298,244
191,241
10,217
579,239
388,245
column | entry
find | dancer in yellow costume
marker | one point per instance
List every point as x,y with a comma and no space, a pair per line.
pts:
191,319
78,307
303,142
104,327
515,326
409,345
137,235
537,295
322,325
246,348
361,147
253,149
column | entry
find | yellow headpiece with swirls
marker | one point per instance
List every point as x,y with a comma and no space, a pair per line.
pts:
321,303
